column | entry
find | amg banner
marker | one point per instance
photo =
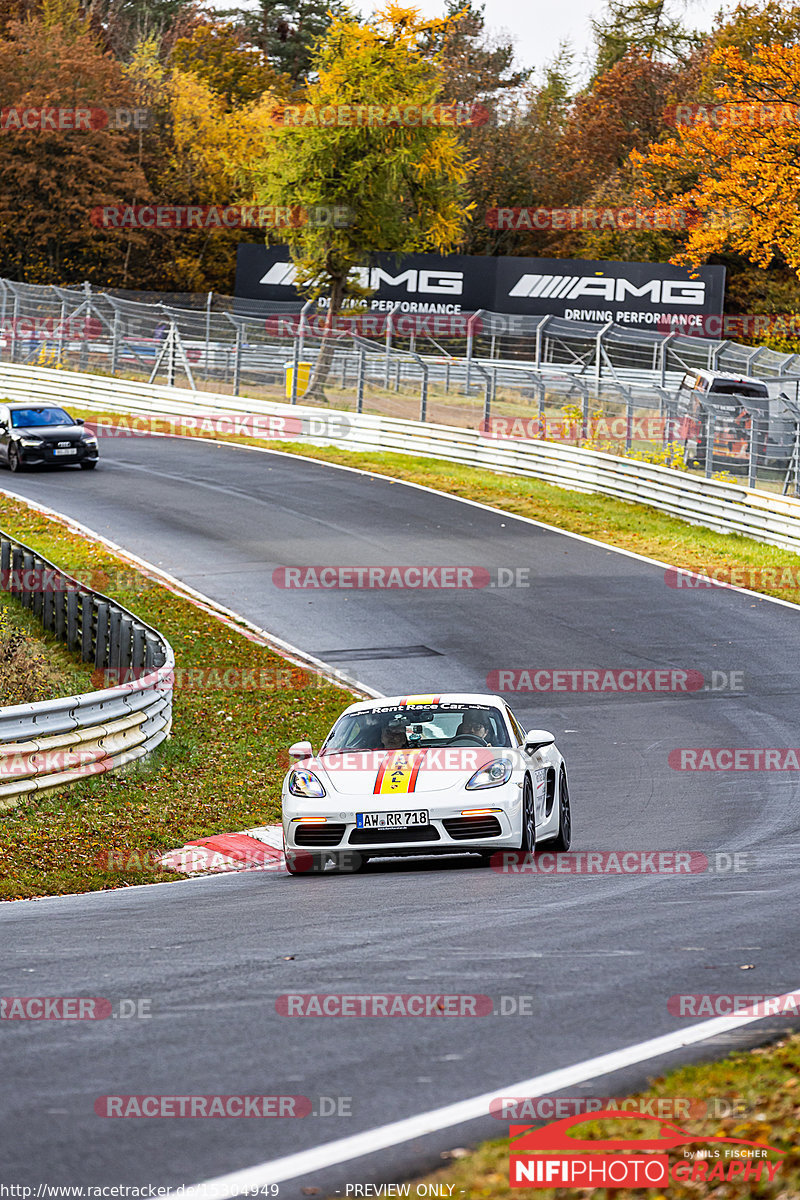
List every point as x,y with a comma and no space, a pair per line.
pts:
643,294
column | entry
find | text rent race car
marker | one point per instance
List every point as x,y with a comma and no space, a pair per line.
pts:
424,775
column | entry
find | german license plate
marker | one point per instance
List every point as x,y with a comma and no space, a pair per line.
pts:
72,450
392,820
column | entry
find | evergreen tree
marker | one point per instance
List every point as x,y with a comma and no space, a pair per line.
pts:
646,26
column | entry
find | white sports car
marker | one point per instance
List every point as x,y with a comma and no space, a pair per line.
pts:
424,775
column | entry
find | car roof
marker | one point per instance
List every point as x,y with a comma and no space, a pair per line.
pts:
422,699
705,373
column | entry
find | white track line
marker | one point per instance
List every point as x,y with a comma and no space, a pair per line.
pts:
360,1144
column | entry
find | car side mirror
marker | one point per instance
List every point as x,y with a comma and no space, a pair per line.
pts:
537,739
79,421
300,750
4,426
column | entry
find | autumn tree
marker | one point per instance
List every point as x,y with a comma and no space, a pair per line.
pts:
52,179
403,185
520,164
473,66
124,23
217,54
15,10
740,174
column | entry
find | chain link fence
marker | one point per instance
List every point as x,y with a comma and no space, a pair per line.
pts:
612,387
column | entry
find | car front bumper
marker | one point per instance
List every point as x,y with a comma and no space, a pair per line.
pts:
38,456
447,831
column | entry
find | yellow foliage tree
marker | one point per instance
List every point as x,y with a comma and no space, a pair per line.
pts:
403,185
737,164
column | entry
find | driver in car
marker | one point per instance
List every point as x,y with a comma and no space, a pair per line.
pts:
393,735
474,724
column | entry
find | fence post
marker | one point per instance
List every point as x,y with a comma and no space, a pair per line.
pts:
598,365
752,455
61,320
237,361
539,329
49,610
663,352
362,362
388,335
172,334
209,299
84,355
16,571
709,443
72,619
423,399
4,286
38,595
298,347
470,346
14,327
115,343
114,621
87,611
28,577
60,606
295,367
125,632
101,659
714,353
138,652
629,423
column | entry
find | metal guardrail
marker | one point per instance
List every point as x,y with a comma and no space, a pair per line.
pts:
56,742
719,505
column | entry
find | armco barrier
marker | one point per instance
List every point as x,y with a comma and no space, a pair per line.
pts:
723,506
57,742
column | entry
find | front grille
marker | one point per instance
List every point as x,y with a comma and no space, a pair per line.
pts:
382,837
329,834
472,828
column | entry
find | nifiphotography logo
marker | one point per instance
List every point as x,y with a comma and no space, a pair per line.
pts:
549,1157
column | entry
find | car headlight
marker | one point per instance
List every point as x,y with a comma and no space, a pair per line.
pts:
31,441
90,439
303,782
492,775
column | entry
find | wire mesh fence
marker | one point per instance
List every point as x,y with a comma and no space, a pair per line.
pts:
621,389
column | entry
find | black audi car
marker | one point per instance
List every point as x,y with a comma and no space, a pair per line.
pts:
33,435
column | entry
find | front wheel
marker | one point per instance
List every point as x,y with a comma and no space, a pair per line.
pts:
528,837
302,862
89,464
564,839
14,460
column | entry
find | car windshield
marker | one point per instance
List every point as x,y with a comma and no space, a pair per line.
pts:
24,418
398,726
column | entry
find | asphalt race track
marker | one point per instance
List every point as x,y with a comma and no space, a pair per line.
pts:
598,956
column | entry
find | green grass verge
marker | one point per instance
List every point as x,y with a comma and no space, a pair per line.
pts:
220,771
760,1088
